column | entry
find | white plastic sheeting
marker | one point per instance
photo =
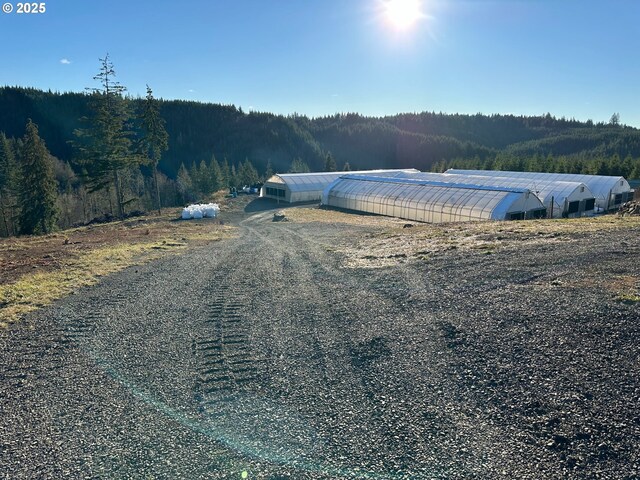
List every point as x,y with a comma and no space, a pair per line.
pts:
562,199
610,192
198,211
430,201
308,187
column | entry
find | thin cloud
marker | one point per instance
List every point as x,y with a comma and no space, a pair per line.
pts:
191,90
65,61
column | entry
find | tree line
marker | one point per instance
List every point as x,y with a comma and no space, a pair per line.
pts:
113,170
198,131
72,158
613,165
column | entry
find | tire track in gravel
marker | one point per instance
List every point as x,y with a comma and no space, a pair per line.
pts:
223,351
387,438
263,354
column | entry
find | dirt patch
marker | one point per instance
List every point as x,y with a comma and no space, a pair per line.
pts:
35,271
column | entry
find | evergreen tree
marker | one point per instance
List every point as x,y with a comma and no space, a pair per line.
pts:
194,175
184,184
38,189
330,164
203,179
217,180
346,167
8,184
268,173
248,175
298,166
233,176
105,147
154,138
226,181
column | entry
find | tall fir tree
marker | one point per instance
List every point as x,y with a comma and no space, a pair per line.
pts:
268,172
346,167
9,175
38,186
217,180
247,175
299,166
233,176
184,184
195,179
226,174
330,164
155,139
105,147
204,179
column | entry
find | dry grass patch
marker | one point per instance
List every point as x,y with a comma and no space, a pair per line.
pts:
626,288
35,271
320,215
390,242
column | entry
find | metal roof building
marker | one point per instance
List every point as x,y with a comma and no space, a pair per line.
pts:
562,199
609,192
431,201
308,187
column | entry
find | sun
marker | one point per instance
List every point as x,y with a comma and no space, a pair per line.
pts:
403,14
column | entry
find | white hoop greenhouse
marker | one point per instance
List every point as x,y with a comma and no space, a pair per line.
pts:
562,199
609,192
308,187
430,201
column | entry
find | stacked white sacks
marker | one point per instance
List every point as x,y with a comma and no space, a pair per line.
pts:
198,211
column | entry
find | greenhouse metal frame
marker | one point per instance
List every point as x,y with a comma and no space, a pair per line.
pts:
431,201
562,199
308,187
609,191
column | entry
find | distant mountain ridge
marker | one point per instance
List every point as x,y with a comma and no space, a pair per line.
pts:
199,130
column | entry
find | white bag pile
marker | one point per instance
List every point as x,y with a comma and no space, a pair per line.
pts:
198,211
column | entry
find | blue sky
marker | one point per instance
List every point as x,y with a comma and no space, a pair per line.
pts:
316,57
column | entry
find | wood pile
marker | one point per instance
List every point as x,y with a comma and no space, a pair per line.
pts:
630,209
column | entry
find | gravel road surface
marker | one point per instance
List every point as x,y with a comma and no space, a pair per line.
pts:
263,357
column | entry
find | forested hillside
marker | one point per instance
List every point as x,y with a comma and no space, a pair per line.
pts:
426,140
166,153
197,131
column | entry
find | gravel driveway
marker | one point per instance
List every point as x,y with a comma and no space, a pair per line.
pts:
264,357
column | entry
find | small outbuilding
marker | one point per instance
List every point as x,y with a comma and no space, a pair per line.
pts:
431,201
308,187
609,191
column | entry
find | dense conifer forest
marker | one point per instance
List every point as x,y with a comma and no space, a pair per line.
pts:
208,147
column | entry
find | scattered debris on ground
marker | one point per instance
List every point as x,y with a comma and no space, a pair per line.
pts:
279,216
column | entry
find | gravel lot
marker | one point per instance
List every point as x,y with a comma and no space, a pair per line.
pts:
265,355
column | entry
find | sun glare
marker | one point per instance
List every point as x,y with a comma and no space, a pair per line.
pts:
403,14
